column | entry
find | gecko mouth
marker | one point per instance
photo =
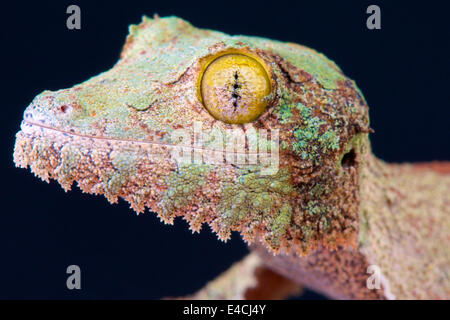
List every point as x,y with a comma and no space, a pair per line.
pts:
143,173
140,172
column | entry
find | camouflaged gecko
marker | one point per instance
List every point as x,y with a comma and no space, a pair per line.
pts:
329,210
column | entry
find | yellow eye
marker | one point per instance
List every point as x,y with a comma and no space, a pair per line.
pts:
235,88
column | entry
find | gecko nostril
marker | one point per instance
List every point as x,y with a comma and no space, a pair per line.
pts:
63,108
349,159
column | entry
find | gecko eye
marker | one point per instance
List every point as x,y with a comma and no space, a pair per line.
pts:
235,88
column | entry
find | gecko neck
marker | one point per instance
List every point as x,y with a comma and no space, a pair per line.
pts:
403,217
403,223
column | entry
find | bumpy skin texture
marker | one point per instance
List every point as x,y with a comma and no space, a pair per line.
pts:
330,210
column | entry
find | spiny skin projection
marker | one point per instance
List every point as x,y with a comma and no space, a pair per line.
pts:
330,209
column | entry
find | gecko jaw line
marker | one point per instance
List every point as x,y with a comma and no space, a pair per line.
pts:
170,145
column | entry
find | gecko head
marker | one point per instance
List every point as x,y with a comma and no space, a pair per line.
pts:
243,133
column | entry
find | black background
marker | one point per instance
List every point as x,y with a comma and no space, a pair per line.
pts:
402,69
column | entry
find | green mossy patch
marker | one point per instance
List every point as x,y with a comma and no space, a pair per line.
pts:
309,141
252,196
125,164
183,183
280,224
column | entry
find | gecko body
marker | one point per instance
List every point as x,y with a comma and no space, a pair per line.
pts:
330,209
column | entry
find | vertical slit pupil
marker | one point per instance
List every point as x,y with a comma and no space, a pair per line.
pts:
235,87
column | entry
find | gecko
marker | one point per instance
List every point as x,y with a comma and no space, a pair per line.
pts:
299,182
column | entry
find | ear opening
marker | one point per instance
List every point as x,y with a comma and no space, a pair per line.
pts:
349,159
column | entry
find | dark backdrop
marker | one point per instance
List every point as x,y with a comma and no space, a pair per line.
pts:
402,69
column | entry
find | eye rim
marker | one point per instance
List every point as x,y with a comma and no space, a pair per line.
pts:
206,61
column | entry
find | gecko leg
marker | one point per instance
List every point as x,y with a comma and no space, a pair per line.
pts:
248,279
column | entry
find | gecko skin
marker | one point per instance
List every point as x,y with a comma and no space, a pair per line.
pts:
329,211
